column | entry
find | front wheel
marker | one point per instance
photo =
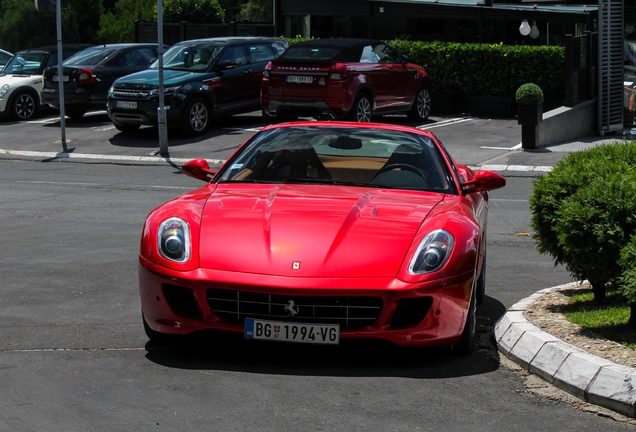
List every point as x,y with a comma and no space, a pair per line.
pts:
421,105
466,345
75,113
196,117
361,110
24,106
480,289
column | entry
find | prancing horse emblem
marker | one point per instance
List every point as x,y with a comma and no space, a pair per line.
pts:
291,309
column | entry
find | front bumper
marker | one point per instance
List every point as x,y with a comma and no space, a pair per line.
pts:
144,114
426,314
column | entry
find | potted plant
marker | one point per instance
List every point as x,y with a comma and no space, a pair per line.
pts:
529,99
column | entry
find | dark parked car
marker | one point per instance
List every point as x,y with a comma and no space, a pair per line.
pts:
21,79
352,79
89,74
203,79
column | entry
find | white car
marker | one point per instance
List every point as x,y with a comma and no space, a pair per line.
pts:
21,79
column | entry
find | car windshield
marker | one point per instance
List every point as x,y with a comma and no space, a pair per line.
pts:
193,58
354,156
310,53
25,63
89,57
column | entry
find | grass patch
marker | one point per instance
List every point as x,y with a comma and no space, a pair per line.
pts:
608,320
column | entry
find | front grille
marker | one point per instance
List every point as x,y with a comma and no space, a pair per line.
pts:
348,312
130,93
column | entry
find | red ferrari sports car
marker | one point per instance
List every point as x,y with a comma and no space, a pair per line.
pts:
317,232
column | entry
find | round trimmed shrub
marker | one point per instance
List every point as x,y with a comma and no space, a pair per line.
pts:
584,212
529,93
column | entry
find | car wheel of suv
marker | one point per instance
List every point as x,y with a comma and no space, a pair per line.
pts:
421,105
361,109
126,127
75,114
24,106
196,117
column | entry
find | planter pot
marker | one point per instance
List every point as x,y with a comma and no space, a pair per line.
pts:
491,106
530,114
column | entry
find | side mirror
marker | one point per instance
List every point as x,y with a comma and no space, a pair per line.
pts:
483,181
198,169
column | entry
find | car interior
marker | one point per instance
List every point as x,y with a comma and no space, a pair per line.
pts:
409,166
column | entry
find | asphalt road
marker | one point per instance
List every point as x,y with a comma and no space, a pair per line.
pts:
74,357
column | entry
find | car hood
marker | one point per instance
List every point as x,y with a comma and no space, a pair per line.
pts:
311,231
20,80
150,78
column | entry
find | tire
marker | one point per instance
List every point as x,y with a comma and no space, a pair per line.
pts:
196,117
421,108
24,106
126,127
75,114
466,344
361,110
480,287
268,120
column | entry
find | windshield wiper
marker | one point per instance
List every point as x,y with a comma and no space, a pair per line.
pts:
308,180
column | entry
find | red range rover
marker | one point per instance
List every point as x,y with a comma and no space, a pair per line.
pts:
350,79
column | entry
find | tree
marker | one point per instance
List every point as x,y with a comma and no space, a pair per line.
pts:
119,24
23,27
193,11
257,10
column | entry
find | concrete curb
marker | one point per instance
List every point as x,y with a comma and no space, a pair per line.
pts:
589,377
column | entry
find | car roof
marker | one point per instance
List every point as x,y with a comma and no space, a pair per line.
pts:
53,48
348,49
231,39
340,42
124,45
5,52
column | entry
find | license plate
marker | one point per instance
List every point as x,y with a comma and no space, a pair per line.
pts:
65,78
126,104
300,79
292,332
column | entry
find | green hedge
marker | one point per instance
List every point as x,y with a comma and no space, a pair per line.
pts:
584,212
484,69
488,70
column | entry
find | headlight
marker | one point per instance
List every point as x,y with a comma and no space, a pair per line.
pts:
4,89
174,240
432,253
111,91
166,90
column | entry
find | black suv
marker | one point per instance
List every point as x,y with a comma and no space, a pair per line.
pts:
90,73
203,79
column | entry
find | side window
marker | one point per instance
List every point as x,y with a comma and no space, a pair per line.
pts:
279,48
127,60
142,56
235,54
260,53
368,55
387,54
